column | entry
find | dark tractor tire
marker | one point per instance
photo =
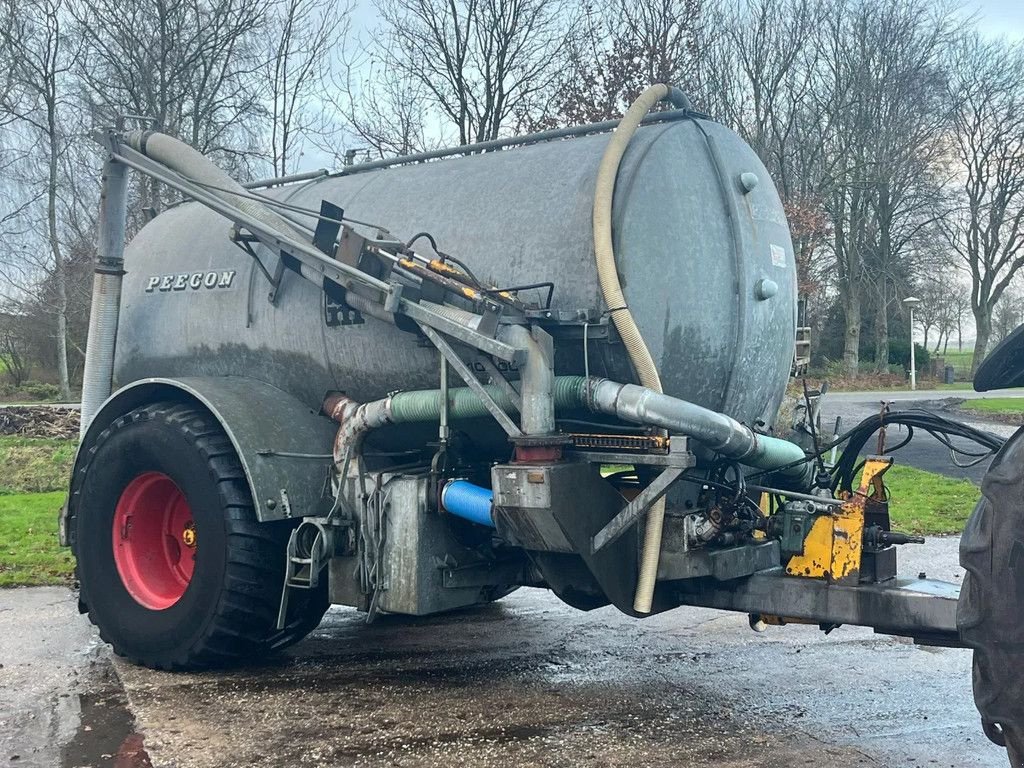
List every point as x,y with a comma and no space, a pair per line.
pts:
174,568
1015,748
990,613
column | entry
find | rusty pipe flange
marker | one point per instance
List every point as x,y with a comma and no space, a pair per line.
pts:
539,448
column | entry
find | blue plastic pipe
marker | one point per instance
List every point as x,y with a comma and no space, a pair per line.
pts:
470,502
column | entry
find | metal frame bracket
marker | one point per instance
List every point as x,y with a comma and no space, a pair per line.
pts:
467,375
636,508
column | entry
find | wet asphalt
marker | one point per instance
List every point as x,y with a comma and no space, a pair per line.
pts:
527,681
61,701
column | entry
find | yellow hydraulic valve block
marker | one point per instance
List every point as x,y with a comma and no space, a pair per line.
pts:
832,549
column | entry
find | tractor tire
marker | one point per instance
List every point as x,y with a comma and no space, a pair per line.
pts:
990,613
173,566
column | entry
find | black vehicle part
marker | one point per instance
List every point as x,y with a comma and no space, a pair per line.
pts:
227,611
990,613
264,445
1004,366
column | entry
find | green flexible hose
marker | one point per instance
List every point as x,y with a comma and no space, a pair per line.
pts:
463,403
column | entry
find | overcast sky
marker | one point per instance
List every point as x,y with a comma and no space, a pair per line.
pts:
1000,17
995,17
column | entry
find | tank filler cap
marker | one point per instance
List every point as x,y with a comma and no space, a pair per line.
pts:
764,289
748,181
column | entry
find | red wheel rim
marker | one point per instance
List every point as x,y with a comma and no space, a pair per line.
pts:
154,540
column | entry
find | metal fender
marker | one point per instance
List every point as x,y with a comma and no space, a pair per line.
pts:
283,444
1004,366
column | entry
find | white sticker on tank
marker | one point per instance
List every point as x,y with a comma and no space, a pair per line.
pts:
778,255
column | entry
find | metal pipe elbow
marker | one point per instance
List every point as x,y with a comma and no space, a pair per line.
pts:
355,420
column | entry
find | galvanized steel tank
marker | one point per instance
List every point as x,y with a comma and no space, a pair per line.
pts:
702,247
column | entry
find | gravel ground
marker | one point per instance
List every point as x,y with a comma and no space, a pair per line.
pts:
527,682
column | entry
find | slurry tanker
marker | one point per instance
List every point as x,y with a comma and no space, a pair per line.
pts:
556,360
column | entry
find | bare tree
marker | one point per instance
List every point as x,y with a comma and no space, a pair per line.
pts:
1008,313
810,230
873,117
953,306
942,293
303,38
194,68
381,108
14,353
479,62
961,310
619,48
763,66
907,199
33,33
759,65
986,91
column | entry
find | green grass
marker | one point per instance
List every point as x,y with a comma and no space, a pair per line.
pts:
29,552
929,504
1005,406
34,464
957,358
33,476
866,384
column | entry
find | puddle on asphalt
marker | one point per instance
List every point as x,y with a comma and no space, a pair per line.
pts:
106,734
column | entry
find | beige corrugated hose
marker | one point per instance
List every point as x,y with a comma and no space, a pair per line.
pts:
639,355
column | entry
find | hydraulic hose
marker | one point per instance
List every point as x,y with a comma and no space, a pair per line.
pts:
639,354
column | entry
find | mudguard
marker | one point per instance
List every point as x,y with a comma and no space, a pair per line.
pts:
1004,366
283,444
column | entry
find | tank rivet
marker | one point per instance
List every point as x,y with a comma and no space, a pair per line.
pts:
764,289
748,181
271,504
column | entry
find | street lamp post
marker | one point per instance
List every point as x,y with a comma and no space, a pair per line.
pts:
910,302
